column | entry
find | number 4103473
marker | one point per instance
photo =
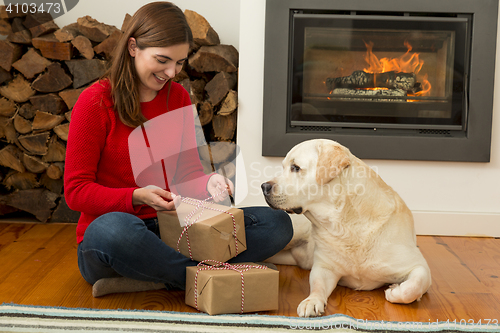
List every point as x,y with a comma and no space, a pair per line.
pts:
33,8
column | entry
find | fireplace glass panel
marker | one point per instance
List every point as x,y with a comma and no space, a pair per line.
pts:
378,72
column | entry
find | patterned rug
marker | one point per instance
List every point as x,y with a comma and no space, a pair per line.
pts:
21,318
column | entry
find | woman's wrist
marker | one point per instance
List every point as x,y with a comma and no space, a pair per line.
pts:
137,197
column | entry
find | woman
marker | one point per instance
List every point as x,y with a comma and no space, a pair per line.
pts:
119,248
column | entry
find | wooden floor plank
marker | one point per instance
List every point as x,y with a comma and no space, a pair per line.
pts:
481,256
294,282
34,261
11,232
25,248
445,262
63,270
39,267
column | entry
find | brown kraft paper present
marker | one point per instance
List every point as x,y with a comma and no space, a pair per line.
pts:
210,237
220,289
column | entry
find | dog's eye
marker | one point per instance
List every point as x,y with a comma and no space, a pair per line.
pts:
294,168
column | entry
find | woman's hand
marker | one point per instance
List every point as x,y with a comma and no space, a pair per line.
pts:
155,197
219,187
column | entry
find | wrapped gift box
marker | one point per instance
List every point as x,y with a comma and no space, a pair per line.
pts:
219,290
210,237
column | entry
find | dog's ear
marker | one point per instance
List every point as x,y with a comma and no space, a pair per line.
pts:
332,160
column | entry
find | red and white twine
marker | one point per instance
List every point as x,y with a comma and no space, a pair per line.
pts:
200,206
240,268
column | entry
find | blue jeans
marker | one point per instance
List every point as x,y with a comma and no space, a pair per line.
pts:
121,244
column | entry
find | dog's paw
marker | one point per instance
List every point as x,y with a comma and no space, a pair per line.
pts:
311,307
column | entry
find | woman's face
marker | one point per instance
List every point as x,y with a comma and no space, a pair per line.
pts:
156,65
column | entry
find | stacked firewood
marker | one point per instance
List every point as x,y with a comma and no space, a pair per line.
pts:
43,70
211,78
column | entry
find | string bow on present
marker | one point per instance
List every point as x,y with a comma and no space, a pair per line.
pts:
200,206
218,265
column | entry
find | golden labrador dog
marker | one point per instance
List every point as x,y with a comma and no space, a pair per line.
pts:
362,233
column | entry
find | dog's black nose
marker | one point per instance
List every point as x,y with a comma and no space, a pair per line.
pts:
266,188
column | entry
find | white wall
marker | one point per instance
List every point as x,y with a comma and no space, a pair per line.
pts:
447,198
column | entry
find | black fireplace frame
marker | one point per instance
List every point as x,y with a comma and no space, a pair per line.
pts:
473,144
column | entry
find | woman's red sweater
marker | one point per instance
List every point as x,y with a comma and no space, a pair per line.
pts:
99,177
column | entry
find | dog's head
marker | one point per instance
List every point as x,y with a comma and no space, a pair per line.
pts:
307,169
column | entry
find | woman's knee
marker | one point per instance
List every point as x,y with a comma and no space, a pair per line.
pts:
284,223
113,227
275,224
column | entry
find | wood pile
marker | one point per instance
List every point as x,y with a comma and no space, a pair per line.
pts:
211,79
43,70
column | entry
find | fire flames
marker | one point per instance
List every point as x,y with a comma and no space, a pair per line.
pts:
407,63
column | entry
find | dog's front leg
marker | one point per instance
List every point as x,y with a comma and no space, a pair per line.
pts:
322,281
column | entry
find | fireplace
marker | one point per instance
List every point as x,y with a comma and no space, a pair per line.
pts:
384,78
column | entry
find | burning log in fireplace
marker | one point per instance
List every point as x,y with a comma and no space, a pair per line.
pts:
397,83
365,92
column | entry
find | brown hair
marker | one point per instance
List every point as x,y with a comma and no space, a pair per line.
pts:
157,24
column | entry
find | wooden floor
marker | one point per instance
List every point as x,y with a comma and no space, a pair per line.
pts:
38,266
